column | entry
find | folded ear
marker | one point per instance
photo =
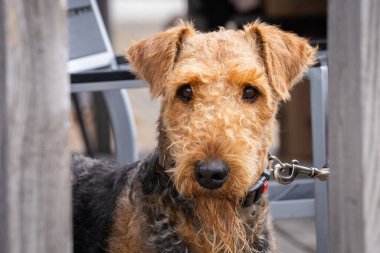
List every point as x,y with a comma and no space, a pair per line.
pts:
286,56
153,57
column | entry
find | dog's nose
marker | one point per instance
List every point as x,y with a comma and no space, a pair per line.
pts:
211,174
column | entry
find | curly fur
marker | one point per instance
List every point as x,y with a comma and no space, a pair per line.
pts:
142,208
103,221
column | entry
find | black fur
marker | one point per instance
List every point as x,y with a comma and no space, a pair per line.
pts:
160,198
262,244
96,187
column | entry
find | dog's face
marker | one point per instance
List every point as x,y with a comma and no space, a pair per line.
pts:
218,110
220,94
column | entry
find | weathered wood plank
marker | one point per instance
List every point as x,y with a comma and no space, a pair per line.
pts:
354,125
35,213
3,188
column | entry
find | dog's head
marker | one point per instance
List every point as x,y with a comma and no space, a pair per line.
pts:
220,93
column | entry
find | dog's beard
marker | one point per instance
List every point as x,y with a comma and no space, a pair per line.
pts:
220,226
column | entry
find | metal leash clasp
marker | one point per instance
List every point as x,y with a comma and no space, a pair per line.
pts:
285,173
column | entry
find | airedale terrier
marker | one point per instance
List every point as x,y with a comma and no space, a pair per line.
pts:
201,190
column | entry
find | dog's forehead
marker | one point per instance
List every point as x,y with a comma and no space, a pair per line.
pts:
224,48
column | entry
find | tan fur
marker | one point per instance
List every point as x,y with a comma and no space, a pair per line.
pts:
127,229
154,57
215,124
286,55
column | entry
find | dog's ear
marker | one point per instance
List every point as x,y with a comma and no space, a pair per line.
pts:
153,57
286,56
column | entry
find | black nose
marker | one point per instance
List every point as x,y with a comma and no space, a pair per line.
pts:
211,174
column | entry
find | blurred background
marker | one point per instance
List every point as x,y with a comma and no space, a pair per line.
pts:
130,20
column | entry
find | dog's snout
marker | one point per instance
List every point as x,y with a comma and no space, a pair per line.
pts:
211,174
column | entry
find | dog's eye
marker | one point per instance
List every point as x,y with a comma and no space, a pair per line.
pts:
185,93
250,94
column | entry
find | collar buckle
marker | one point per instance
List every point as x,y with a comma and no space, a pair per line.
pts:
254,193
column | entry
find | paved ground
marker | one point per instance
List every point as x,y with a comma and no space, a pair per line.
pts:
134,19
296,235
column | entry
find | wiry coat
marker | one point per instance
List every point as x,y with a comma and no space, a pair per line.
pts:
99,185
159,205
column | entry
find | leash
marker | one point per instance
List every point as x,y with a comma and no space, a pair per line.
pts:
283,173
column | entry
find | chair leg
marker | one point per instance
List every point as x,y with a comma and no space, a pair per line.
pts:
123,125
102,124
89,151
318,82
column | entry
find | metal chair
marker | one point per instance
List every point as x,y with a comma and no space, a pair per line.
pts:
110,80
305,197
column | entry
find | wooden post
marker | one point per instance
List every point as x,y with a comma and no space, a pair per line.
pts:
35,209
354,125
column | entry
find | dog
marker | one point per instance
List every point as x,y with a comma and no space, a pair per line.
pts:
203,188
